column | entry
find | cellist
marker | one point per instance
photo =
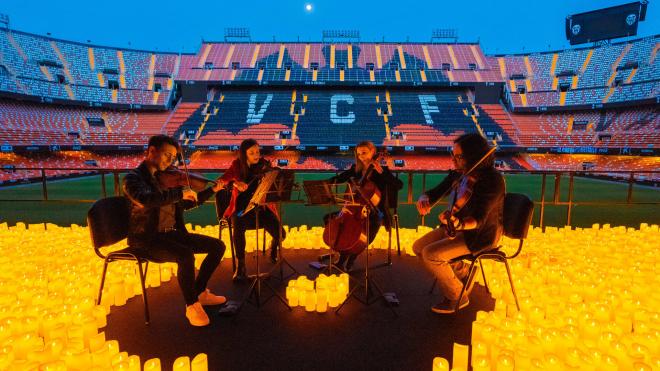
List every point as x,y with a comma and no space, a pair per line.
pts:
477,222
385,181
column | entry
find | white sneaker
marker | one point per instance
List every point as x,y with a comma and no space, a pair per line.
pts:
196,315
208,298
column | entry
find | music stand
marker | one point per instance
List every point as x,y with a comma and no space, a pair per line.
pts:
367,282
321,193
281,192
258,200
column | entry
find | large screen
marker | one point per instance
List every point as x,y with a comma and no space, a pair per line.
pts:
604,24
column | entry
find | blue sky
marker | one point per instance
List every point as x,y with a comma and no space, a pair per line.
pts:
179,26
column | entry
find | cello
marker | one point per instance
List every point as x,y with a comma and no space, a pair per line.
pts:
346,232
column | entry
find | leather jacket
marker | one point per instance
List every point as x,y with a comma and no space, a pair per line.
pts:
146,197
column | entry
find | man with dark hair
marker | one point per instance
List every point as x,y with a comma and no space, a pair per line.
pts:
478,222
157,227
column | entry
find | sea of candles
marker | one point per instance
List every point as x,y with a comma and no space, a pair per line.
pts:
587,297
49,319
588,301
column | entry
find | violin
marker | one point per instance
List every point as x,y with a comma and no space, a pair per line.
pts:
346,231
460,193
173,177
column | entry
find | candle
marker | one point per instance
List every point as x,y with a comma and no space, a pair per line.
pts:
200,363
440,364
152,365
181,364
460,358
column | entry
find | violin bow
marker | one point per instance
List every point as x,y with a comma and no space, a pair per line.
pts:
185,166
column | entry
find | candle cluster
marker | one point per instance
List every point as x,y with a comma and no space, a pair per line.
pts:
317,295
49,319
588,299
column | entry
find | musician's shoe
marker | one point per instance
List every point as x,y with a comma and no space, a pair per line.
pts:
447,306
240,274
208,298
273,255
196,315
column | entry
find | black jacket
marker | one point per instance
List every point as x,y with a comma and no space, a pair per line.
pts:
387,183
486,206
142,189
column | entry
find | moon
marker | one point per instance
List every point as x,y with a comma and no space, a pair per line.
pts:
308,7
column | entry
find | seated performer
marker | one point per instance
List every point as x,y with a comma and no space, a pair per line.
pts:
157,227
478,223
245,172
387,183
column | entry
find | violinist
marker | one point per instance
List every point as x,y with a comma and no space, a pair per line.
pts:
157,228
245,172
367,163
473,224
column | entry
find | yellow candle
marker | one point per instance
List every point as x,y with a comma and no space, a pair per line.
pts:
460,358
440,364
321,300
121,357
181,364
481,363
292,296
100,316
53,366
310,300
97,342
200,363
505,362
152,365
134,363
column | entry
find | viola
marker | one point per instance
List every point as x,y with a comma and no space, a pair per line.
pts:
347,231
173,177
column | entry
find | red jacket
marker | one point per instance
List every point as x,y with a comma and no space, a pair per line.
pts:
233,174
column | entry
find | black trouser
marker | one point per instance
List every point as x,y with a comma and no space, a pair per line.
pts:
375,222
180,247
267,220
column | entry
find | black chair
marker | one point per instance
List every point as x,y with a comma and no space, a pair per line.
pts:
108,221
518,213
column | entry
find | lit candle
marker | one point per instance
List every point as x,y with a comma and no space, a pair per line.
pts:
505,362
96,342
310,300
200,363
292,296
134,363
460,358
322,301
440,364
181,364
152,365
100,316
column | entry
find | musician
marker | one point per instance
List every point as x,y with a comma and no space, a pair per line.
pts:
387,183
157,227
478,223
245,172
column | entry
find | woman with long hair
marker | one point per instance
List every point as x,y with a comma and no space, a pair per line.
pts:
477,225
366,158
244,173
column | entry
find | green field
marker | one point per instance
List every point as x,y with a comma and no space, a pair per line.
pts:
64,207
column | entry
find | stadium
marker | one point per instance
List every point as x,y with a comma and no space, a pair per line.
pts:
576,130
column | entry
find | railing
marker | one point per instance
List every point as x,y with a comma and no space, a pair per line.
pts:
633,179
